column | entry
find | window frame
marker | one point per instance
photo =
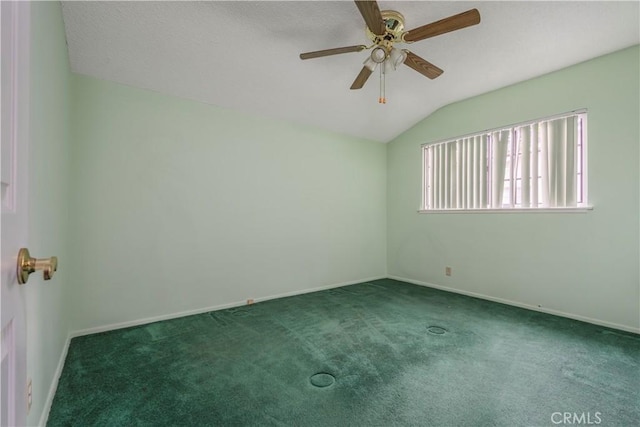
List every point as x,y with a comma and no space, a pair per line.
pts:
582,207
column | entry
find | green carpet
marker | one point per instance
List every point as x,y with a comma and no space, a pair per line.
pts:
374,354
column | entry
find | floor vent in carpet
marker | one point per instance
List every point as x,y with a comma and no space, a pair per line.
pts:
437,330
322,379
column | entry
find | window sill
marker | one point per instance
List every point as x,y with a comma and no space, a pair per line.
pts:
584,209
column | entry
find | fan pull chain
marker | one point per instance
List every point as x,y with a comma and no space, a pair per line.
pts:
382,99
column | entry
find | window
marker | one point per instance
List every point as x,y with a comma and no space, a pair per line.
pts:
528,166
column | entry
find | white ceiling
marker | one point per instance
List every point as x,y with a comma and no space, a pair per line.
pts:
244,55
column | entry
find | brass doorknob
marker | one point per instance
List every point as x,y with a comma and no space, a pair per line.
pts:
27,265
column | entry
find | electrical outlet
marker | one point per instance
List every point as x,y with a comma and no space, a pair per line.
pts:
447,271
29,395
250,301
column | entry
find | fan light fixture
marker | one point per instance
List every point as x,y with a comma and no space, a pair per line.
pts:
395,58
390,61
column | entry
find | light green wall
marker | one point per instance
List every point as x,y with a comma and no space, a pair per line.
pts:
180,206
49,147
583,265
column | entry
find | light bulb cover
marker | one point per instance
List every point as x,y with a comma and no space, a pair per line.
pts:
397,57
378,55
370,64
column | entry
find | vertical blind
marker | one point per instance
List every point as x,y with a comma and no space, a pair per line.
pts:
529,165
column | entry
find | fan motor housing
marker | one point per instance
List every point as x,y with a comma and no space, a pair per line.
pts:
394,28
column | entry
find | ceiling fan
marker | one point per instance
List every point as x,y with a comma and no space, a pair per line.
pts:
384,28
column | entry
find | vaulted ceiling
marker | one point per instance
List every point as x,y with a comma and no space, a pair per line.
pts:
243,55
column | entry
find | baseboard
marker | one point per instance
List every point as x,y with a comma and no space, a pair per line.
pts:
521,305
54,383
320,288
144,321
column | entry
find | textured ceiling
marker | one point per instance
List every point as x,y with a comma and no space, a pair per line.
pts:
244,55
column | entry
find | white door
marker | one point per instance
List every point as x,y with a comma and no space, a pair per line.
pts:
14,18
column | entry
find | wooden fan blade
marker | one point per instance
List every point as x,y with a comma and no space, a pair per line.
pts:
422,66
452,23
362,78
328,52
372,16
